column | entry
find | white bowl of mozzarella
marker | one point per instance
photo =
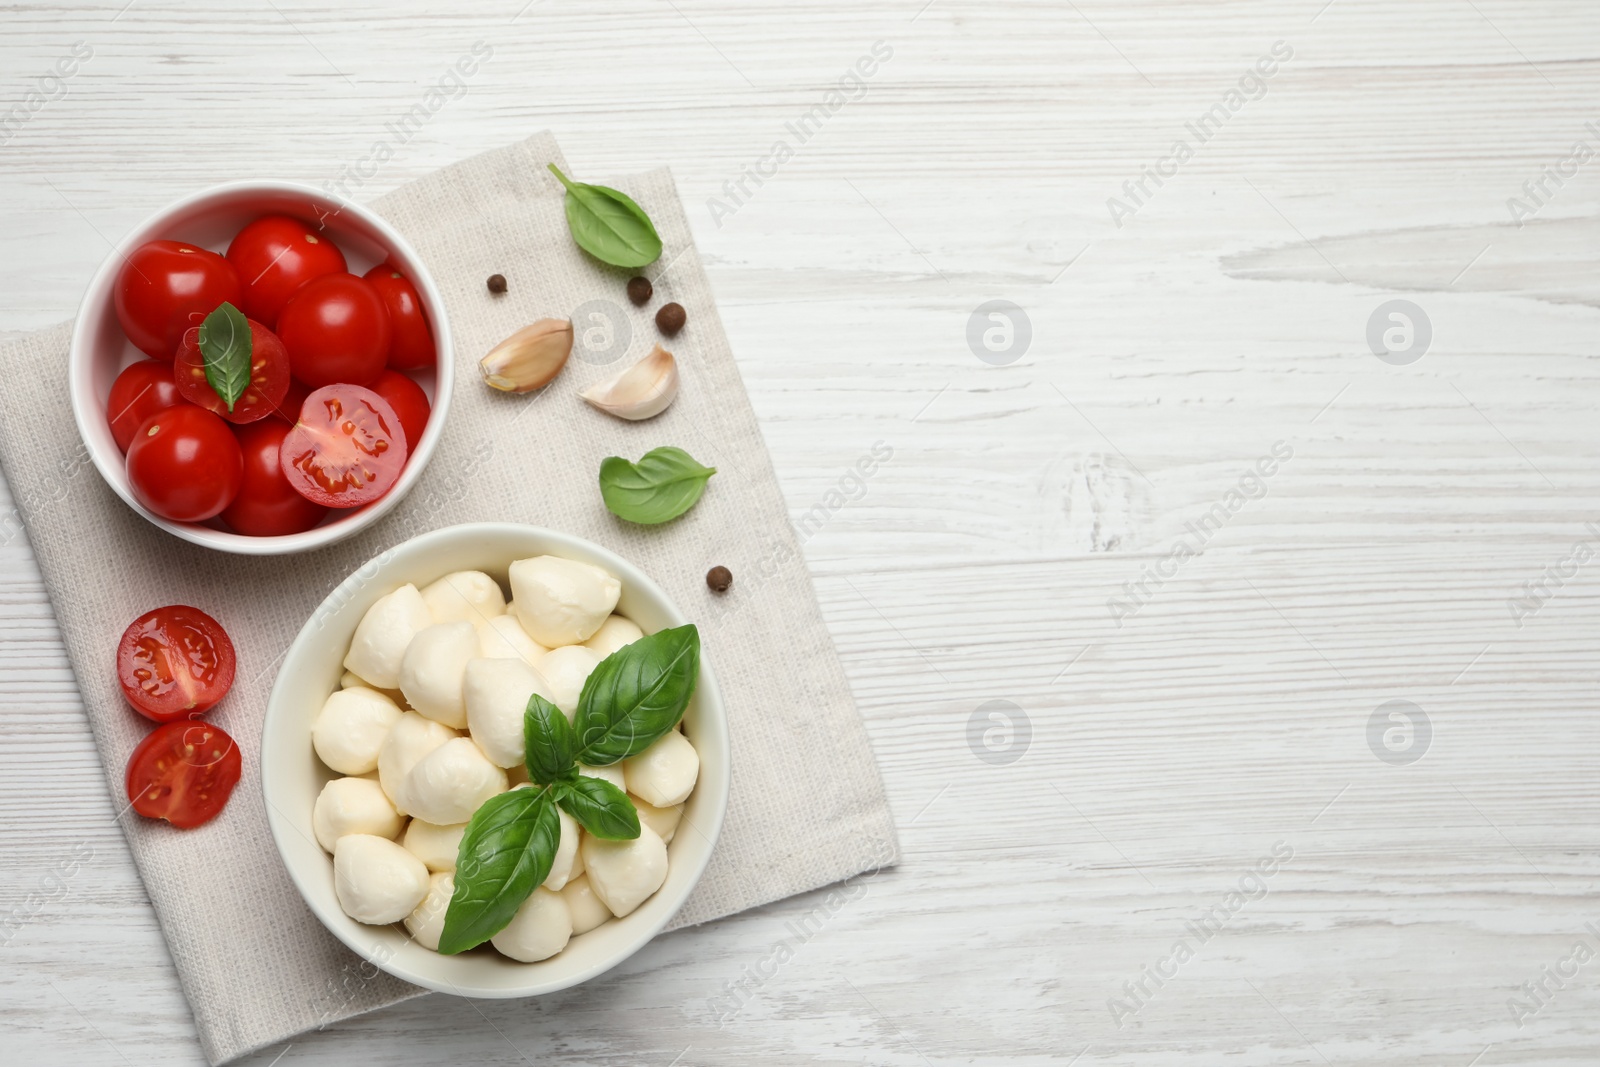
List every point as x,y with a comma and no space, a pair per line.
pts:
398,711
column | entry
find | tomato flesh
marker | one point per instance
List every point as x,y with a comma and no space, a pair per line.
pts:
141,390
410,404
267,505
175,663
184,464
411,338
275,255
165,288
346,450
336,330
269,377
184,772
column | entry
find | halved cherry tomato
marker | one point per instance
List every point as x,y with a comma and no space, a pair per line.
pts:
168,286
184,464
269,376
347,449
275,255
184,773
267,505
141,390
174,663
410,403
410,338
336,330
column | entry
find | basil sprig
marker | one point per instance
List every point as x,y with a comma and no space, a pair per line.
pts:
665,483
608,225
630,701
224,342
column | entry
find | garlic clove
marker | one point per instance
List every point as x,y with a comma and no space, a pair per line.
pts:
529,358
642,391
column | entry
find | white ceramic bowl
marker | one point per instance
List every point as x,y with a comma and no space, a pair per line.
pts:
210,218
292,776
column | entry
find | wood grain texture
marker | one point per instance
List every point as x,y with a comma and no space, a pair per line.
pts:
1169,753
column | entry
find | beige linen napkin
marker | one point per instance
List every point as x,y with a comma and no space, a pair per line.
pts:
807,805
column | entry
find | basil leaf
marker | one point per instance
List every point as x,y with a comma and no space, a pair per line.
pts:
506,852
548,741
600,808
608,225
664,484
637,694
225,347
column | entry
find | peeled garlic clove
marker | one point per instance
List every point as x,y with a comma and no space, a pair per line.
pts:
642,391
529,358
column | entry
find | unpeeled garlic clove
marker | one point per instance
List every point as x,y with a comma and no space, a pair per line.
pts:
529,358
642,391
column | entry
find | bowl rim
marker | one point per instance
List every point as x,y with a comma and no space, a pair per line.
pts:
340,598
87,411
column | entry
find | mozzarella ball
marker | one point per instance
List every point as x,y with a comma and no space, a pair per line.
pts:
665,773
465,596
426,922
623,874
562,601
586,909
410,738
616,632
541,928
497,692
503,637
350,679
376,880
566,669
432,669
351,728
436,846
566,852
451,782
383,635
664,821
352,806
611,773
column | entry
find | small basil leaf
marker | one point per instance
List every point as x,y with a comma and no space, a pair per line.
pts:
664,484
547,740
636,694
506,852
224,343
600,808
608,225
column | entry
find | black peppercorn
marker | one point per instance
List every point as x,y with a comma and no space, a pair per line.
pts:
639,291
719,578
497,283
670,319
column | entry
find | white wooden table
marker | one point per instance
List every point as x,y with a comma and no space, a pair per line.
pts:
1216,710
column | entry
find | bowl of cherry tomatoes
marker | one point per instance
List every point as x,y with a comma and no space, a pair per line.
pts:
261,368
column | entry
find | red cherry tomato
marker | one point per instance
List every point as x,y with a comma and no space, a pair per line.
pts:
184,773
269,376
267,505
168,286
174,663
336,330
141,390
410,337
288,408
347,449
275,255
410,404
184,464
